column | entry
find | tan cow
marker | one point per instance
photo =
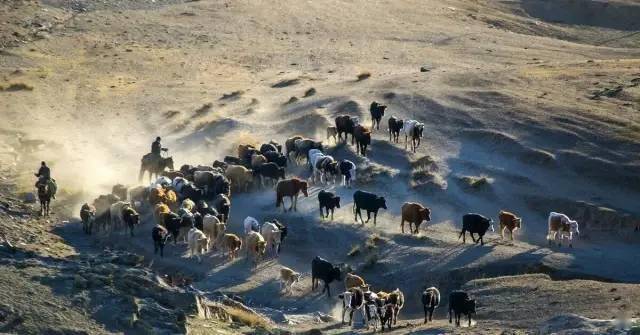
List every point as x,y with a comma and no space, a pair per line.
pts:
257,160
509,221
351,281
232,245
214,229
414,213
256,247
288,277
240,177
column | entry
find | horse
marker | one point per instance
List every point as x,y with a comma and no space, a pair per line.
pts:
290,188
44,195
154,165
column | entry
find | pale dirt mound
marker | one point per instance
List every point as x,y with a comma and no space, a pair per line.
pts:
510,146
547,298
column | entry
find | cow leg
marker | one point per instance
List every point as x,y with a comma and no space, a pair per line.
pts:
463,235
375,216
344,310
469,315
406,140
402,225
295,202
425,313
321,212
472,237
450,315
331,214
368,216
481,239
431,313
350,316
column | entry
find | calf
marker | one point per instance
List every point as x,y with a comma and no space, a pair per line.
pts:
174,223
351,281
321,269
256,247
430,301
288,277
232,245
198,243
352,300
348,171
159,234
273,236
328,201
362,135
395,125
414,213
560,225
475,224
396,299
369,202
459,303
377,112
412,129
508,221
332,132
270,171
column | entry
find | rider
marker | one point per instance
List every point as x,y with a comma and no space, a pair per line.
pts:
156,147
44,176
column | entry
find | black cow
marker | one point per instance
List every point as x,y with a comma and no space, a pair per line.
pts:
475,224
276,157
369,202
222,204
283,232
321,269
231,160
459,303
395,125
345,124
377,112
160,236
173,222
219,165
271,171
131,218
347,169
430,301
267,147
198,221
329,201
363,139
192,192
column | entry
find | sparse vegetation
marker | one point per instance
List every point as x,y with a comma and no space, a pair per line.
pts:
286,83
247,318
205,109
171,114
475,182
232,96
363,76
16,87
291,100
310,92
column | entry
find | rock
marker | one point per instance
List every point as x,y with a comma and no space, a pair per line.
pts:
29,197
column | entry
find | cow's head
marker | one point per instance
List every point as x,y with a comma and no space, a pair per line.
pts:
425,213
489,224
382,108
203,243
419,129
336,202
517,223
574,227
382,202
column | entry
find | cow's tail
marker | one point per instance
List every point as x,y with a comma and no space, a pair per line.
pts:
278,199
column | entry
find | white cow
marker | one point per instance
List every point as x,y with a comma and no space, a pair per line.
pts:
272,235
412,129
251,224
198,242
560,224
214,229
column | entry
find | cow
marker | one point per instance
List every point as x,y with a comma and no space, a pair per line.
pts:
348,171
273,236
351,280
396,299
332,132
268,147
508,221
245,151
373,308
302,147
198,243
240,177
322,165
352,300
175,224
377,112
362,135
87,216
159,234
276,157
214,229
560,224
412,129
395,126
290,188
459,303
328,201
414,213
270,171
232,245
288,277
257,160
290,145
222,204
475,224
345,124
231,160
430,301
283,232
321,269
369,202
122,214
193,192
256,247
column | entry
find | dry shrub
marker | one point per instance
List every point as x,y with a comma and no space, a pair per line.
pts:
309,92
17,87
171,114
246,318
206,108
291,100
475,182
363,76
232,96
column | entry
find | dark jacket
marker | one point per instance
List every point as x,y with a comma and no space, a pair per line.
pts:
156,148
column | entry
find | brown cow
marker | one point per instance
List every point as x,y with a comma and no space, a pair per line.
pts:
351,280
362,136
509,221
290,145
290,188
232,245
414,213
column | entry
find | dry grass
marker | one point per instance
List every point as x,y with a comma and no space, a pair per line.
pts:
309,92
17,87
205,109
475,182
364,76
233,95
171,114
246,318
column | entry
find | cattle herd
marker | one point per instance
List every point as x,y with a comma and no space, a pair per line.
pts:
192,205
